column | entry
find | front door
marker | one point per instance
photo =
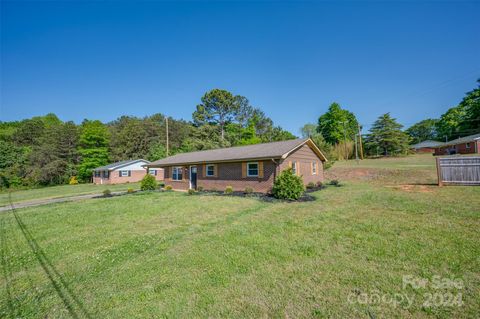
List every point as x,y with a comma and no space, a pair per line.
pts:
193,177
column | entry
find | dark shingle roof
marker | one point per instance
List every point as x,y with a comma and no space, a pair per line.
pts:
465,139
119,164
256,151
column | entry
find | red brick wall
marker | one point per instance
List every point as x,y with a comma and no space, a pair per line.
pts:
230,174
460,149
304,157
135,176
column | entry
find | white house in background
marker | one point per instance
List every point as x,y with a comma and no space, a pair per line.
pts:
125,172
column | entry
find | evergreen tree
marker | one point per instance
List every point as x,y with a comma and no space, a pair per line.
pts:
386,137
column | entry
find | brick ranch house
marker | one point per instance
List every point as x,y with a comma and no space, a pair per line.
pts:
427,146
464,145
126,171
254,166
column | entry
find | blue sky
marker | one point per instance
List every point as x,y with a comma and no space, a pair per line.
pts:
100,60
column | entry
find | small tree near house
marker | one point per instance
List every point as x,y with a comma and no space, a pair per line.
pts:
288,185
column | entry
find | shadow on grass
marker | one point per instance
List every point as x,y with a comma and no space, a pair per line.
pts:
74,306
7,272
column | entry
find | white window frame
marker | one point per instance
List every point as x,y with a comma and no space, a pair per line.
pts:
152,172
213,170
467,145
248,169
294,168
314,168
123,172
175,174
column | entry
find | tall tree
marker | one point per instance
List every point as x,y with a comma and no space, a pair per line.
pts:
93,148
423,130
386,137
337,124
471,102
218,107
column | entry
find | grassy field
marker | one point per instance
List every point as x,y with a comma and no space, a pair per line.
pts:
174,255
61,191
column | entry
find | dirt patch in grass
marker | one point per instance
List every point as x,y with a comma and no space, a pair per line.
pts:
411,188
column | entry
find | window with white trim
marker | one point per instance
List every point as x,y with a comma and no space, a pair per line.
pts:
210,170
294,168
177,173
252,169
314,168
467,145
97,173
123,173
152,172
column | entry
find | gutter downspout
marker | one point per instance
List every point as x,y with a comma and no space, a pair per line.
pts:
275,171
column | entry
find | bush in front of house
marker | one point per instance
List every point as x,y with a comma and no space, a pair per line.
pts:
148,183
248,190
73,180
288,185
161,185
107,193
229,190
335,182
191,191
200,188
130,190
311,185
168,187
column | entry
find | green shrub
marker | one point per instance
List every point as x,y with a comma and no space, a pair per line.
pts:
288,185
191,191
148,183
107,193
228,190
161,185
168,187
248,190
319,184
335,182
311,185
73,180
200,188
130,190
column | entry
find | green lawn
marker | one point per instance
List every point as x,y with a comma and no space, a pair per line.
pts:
61,191
174,255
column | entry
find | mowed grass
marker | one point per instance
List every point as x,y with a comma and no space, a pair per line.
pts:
174,255
61,191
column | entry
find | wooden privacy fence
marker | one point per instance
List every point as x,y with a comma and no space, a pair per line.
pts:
458,170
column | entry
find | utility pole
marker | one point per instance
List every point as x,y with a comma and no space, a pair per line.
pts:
356,149
360,141
345,139
166,128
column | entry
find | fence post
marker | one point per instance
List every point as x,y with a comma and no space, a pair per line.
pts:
439,172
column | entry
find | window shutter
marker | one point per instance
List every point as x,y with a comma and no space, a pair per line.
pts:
244,170
215,170
260,169
184,171
119,173
311,168
171,172
298,168
204,171
290,164
129,173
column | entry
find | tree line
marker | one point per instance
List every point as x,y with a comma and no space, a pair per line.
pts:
336,130
44,150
